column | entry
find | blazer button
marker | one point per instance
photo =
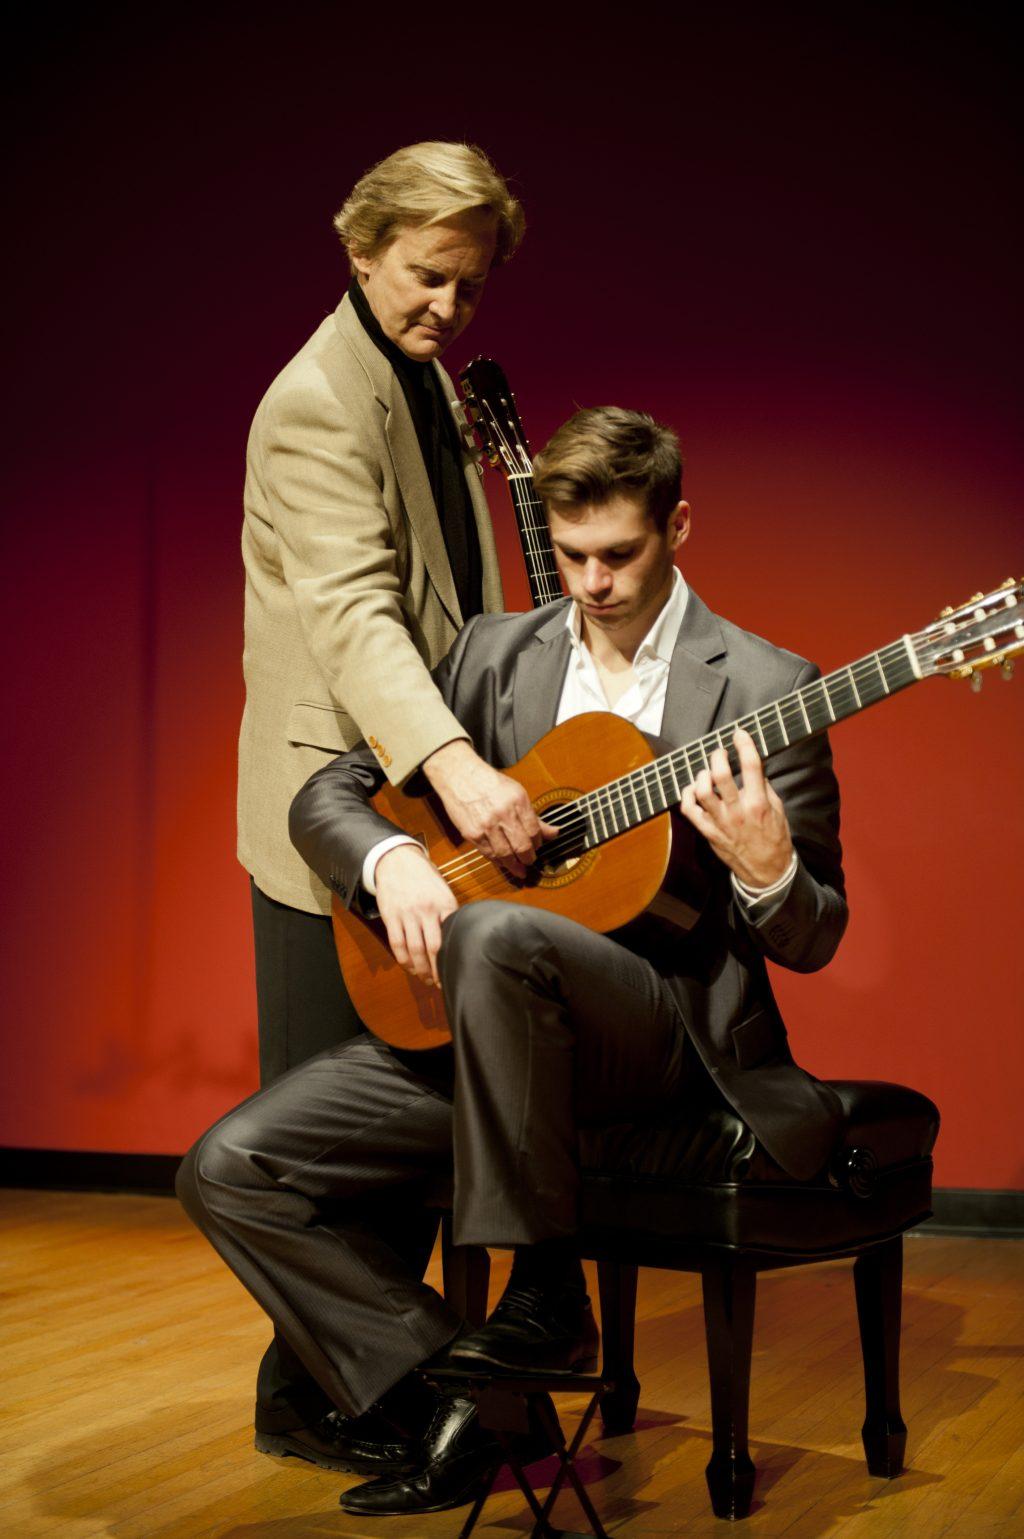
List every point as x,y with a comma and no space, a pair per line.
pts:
385,759
372,742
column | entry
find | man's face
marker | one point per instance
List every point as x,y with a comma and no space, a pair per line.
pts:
425,287
616,564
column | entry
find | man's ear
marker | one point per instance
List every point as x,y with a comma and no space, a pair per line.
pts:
679,522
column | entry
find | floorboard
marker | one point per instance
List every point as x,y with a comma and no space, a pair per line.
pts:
130,1353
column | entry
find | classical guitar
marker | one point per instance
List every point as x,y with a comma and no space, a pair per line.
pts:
492,410
598,780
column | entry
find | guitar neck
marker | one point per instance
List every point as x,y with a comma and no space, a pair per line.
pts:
535,537
656,787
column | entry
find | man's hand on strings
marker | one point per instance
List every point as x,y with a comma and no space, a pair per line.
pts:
745,825
414,899
488,808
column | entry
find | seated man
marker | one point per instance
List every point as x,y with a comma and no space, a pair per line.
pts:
304,1188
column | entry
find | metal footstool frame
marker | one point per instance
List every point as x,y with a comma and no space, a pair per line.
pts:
504,1404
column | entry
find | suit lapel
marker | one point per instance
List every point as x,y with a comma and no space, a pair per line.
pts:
406,457
694,687
539,676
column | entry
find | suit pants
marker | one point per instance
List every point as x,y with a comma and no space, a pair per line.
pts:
308,1189
303,1008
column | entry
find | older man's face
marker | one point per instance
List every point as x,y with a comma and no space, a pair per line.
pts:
425,287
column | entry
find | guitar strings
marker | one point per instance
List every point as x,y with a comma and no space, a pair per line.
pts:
571,818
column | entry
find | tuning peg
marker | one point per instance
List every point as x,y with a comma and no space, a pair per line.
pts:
1006,671
977,680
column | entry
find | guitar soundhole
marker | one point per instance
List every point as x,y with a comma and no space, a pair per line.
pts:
571,864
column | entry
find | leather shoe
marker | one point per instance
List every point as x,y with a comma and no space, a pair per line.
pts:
458,1458
533,1329
369,1444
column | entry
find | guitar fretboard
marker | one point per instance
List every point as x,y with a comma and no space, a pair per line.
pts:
541,570
656,787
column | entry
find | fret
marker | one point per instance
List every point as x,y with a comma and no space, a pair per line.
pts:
640,781
627,784
670,766
803,709
599,820
876,659
782,724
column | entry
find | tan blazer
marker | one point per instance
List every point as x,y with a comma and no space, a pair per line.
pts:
349,597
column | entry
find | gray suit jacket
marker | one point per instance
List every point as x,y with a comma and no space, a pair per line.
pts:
503,680
349,597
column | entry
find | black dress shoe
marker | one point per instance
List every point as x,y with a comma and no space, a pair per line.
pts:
369,1444
533,1329
458,1458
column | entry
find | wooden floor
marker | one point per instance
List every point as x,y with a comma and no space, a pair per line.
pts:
129,1352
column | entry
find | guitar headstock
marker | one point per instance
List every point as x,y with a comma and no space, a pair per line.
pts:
986,631
492,411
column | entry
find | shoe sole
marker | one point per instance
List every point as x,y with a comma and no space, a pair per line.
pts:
465,1497
579,1365
279,1447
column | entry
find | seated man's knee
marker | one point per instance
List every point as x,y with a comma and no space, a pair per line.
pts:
478,935
219,1162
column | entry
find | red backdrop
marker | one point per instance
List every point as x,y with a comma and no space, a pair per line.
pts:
788,233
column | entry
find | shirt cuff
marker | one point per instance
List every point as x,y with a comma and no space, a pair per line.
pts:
748,896
378,850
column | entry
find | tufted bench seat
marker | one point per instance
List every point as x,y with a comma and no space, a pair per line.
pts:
700,1194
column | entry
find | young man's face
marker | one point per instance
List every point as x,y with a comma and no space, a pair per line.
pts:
424,288
616,563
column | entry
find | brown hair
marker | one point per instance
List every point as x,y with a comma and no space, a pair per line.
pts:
423,184
604,451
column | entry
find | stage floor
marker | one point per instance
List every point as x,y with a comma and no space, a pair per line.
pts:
131,1350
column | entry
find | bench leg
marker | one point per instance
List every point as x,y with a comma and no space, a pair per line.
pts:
617,1288
466,1273
729,1285
878,1280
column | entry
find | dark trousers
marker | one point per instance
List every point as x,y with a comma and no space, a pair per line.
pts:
308,1188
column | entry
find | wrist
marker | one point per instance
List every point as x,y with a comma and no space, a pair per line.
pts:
440,765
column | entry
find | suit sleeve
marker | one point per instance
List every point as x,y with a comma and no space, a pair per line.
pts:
331,822
802,930
323,484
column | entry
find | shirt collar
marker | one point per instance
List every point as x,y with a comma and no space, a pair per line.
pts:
664,633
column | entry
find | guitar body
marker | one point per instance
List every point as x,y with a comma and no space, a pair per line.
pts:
603,889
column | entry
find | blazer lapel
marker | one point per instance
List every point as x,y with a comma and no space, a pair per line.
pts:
406,458
537,685
694,687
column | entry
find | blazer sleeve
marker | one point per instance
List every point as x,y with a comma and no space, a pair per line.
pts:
331,822
323,481
803,929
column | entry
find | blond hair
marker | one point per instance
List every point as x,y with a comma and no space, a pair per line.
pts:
424,184
607,451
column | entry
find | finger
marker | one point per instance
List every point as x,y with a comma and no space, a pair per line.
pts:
513,868
419,964
774,799
396,940
704,790
750,762
721,775
432,937
695,814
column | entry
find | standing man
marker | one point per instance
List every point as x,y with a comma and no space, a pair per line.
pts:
367,546
554,1027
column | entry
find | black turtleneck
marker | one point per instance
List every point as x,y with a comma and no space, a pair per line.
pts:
442,456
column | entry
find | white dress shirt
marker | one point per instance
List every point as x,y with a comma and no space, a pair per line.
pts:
642,703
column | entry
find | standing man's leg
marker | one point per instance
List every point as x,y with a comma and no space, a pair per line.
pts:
303,1009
